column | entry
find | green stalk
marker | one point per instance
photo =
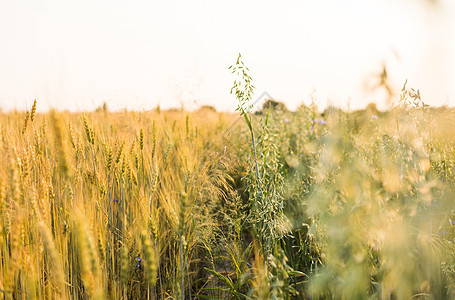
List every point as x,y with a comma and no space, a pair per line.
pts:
248,121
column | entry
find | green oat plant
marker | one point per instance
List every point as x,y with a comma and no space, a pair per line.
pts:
265,195
367,202
370,204
270,275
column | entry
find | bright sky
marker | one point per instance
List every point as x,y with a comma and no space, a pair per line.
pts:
137,54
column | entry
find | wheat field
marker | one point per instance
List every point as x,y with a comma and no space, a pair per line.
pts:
179,205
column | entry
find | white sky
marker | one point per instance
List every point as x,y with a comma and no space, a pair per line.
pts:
137,54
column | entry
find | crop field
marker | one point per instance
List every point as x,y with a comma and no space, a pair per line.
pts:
140,160
180,205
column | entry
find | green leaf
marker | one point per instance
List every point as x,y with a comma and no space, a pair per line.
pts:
224,279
